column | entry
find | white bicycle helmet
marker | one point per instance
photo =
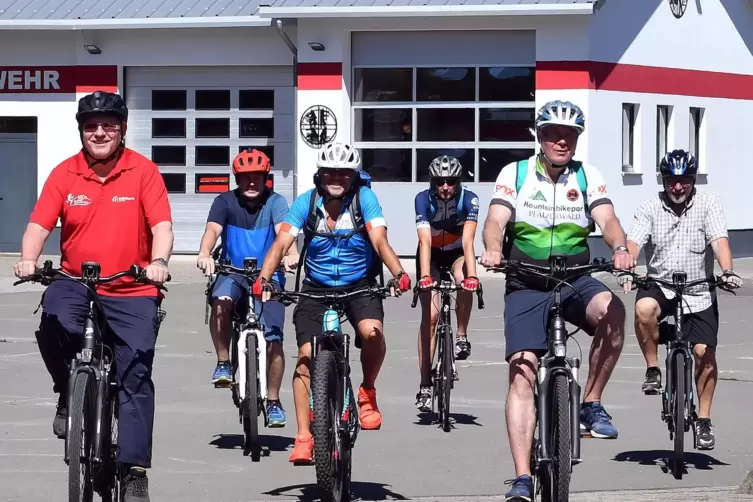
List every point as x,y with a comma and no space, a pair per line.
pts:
338,156
561,113
445,167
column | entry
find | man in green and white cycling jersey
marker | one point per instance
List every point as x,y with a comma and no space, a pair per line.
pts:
548,204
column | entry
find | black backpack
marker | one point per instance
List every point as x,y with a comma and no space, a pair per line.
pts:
359,227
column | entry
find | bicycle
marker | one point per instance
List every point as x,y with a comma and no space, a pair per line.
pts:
93,403
247,342
444,373
332,393
679,414
556,442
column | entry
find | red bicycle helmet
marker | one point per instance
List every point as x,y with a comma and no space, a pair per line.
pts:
252,161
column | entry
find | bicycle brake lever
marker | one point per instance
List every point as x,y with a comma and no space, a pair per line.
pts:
415,297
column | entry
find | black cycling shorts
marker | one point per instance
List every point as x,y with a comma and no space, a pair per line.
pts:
441,261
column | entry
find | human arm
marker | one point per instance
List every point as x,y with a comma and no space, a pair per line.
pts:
715,226
501,209
159,219
468,240
376,227
602,213
423,229
279,213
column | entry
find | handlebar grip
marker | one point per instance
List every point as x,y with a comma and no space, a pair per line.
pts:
480,294
415,297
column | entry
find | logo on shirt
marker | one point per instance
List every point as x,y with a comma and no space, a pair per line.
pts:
505,190
122,199
572,195
77,200
602,189
538,196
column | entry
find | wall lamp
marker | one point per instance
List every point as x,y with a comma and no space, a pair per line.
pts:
93,49
316,46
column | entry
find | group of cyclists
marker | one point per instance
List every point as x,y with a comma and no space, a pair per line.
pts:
114,209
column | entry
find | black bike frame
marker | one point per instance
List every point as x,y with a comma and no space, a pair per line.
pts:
676,344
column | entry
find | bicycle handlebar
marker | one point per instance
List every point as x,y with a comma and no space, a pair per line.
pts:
678,286
89,276
445,288
289,297
226,268
550,271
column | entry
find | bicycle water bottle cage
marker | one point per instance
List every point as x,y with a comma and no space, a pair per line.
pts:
558,263
679,278
249,264
90,271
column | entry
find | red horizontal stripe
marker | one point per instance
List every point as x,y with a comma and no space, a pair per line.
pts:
57,79
320,76
644,79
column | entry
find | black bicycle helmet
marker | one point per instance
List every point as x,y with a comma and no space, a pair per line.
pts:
100,102
678,163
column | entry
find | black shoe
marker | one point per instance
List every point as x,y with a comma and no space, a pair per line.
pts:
652,383
423,399
135,486
61,417
462,349
704,434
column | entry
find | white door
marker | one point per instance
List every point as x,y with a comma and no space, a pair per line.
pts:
18,187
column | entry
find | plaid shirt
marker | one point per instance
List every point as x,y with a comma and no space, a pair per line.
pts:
681,243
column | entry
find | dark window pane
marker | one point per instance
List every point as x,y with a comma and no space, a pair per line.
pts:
506,84
506,124
384,124
169,100
425,156
446,84
256,100
169,155
268,149
212,128
18,125
212,156
174,182
388,164
256,128
212,100
446,124
211,183
168,128
384,84
491,162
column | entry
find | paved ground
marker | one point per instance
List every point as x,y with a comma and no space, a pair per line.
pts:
197,439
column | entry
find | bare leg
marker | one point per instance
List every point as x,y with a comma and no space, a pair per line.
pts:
275,369
427,335
301,386
706,376
220,325
373,350
647,329
520,411
607,313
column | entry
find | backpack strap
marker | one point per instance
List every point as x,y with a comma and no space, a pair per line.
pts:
580,173
520,176
309,230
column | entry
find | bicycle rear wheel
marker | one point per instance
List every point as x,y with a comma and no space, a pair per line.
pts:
331,459
678,413
80,482
251,401
446,377
556,479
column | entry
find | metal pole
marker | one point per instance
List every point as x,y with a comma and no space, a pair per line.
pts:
294,50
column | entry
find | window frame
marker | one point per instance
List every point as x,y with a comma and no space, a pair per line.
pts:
696,136
414,105
663,120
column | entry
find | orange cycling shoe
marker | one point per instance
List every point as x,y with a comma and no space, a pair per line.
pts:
368,413
303,450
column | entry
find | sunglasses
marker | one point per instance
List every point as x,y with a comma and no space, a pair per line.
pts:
106,126
439,182
685,181
335,172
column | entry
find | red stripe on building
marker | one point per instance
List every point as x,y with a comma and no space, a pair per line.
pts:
320,76
96,78
645,79
57,79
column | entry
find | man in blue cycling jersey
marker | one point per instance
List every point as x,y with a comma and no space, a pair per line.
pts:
247,219
446,221
339,257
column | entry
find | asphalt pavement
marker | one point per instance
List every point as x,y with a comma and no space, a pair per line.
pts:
197,453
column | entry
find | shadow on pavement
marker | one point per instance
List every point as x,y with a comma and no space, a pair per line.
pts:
360,491
455,418
268,443
699,461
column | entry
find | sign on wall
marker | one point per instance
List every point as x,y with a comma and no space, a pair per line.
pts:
678,7
318,126
57,79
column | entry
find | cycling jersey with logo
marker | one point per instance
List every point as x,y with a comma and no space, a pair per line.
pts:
549,218
446,218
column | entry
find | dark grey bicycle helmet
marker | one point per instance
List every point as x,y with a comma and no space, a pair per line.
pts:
101,102
445,166
678,163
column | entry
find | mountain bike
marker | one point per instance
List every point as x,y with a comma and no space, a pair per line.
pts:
91,431
556,443
444,372
678,406
248,356
335,423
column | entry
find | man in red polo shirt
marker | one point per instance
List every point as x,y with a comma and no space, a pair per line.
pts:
113,207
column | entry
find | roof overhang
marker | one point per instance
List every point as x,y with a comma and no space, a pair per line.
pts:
429,11
134,23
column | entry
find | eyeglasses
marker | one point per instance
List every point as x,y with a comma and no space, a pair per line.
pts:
106,126
685,181
329,171
440,182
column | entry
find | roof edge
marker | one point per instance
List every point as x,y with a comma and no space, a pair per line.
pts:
424,11
134,23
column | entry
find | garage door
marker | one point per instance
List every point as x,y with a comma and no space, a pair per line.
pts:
193,121
18,179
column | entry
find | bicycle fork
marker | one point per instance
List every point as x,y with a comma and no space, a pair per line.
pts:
544,408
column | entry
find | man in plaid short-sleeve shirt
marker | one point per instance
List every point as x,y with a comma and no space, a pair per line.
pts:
678,227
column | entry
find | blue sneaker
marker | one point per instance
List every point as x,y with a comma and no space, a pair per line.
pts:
596,422
276,414
223,374
522,489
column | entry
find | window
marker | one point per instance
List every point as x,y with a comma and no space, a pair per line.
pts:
662,132
212,156
18,125
169,100
629,115
256,100
213,128
212,100
174,182
211,183
168,128
169,155
404,117
256,128
695,143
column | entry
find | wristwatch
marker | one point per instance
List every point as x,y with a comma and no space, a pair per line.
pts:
621,248
161,261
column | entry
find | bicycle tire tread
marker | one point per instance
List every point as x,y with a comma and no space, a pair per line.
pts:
323,383
251,403
678,412
81,397
562,455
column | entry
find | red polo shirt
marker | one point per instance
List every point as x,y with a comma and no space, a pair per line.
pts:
109,221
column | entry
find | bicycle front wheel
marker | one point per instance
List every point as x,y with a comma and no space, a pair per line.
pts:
330,459
251,401
446,376
678,413
80,482
556,485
